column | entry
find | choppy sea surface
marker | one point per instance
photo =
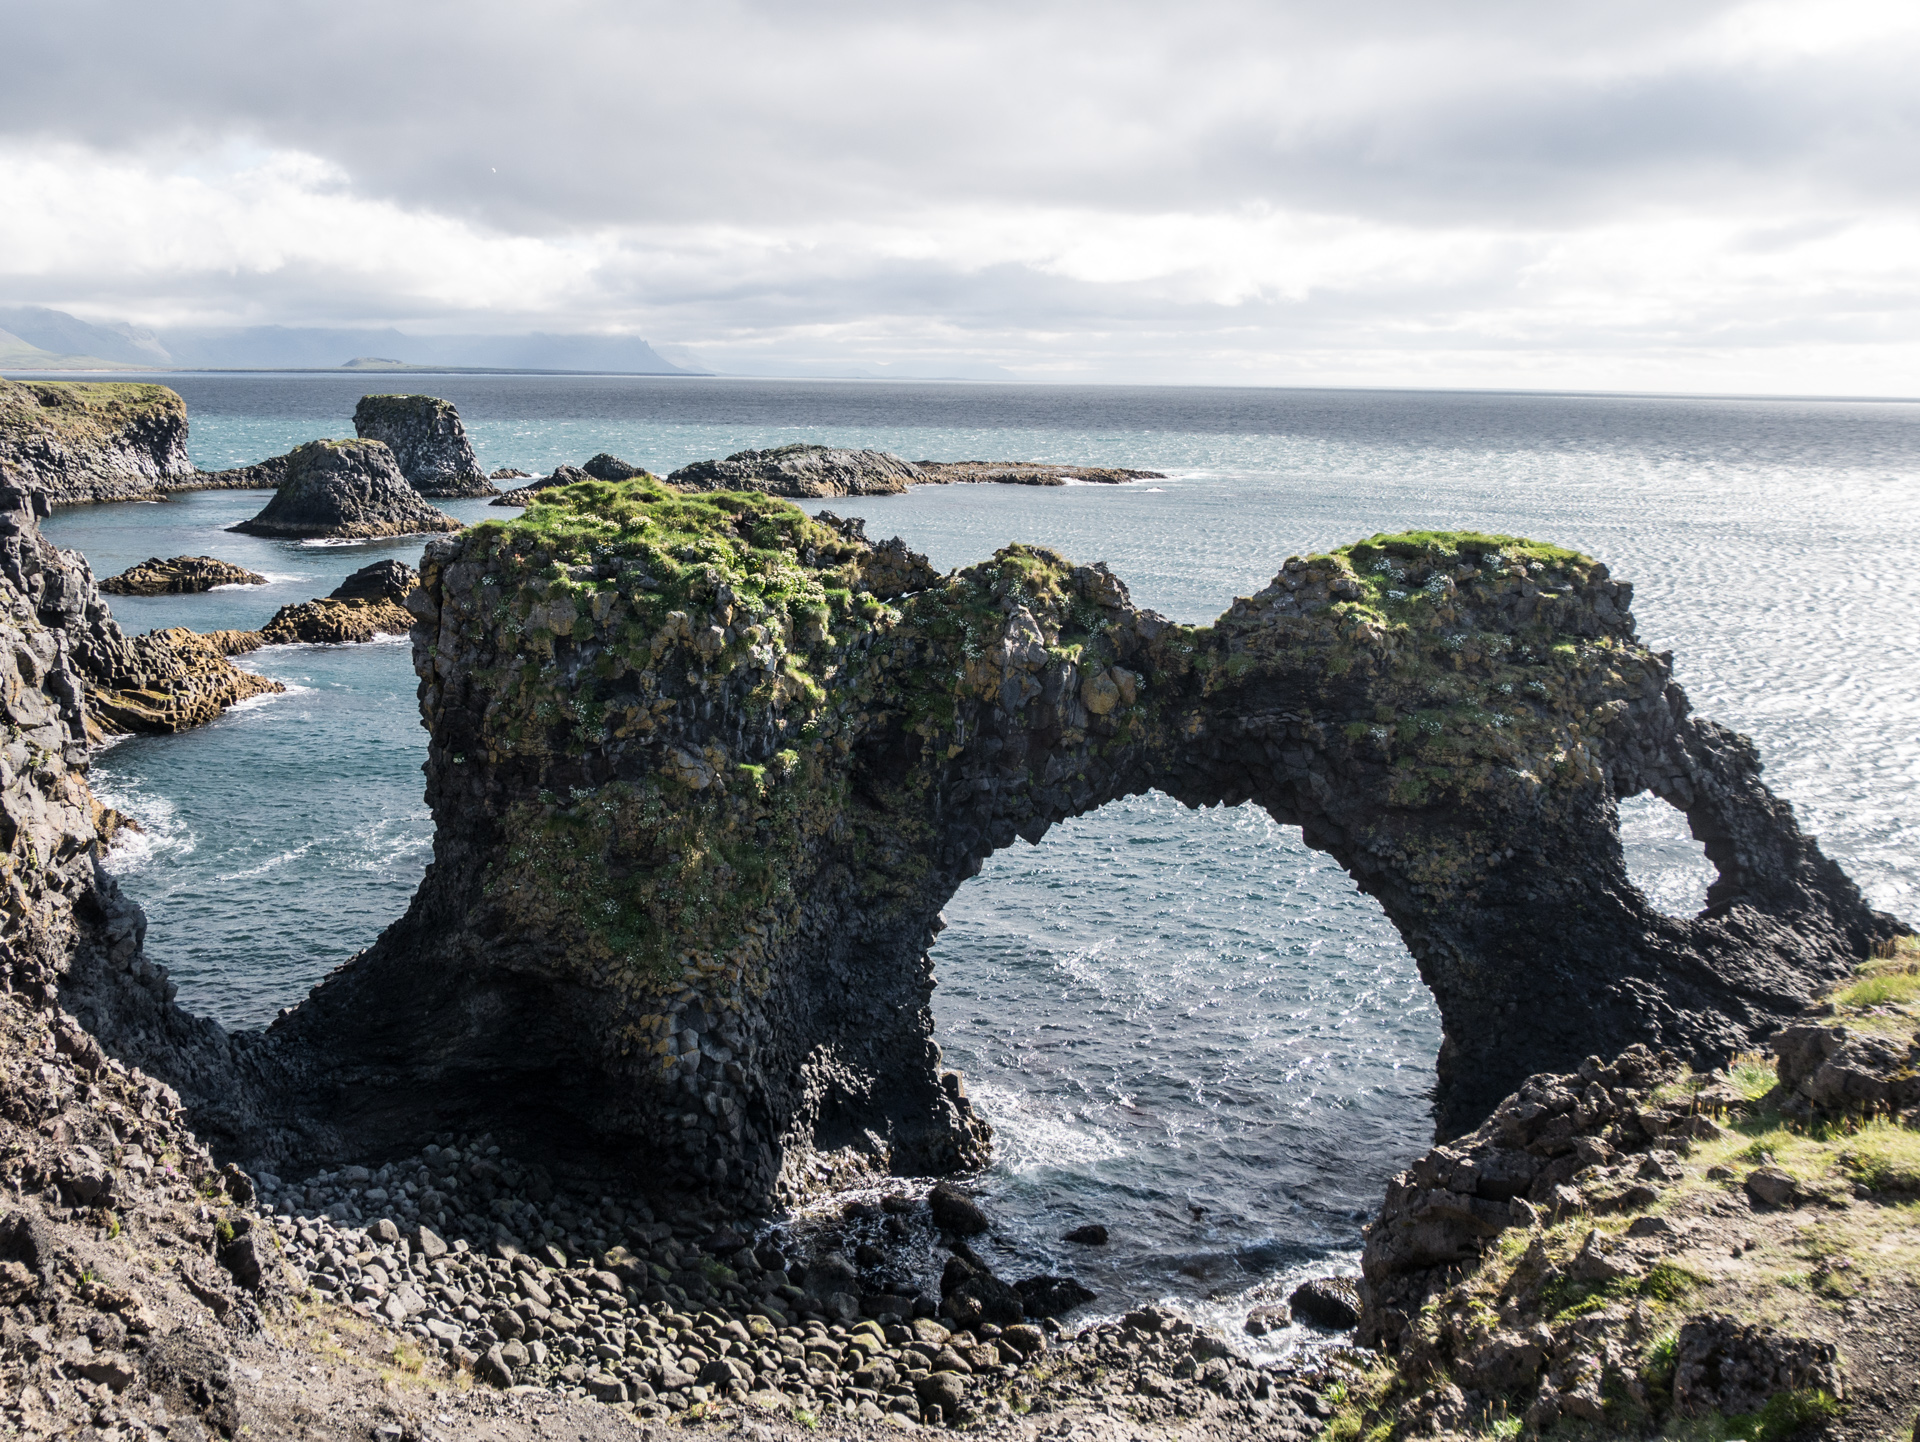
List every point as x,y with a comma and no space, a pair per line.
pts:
1182,1024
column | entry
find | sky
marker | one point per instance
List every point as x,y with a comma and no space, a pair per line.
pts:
1699,197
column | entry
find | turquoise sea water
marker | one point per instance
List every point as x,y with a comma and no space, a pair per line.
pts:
1159,1010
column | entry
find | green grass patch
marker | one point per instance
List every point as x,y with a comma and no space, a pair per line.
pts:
1752,1075
1883,1157
1896,988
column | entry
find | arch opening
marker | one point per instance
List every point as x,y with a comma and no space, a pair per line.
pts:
1160,1009
1664,860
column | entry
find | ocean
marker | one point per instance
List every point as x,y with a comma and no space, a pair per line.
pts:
1184,1025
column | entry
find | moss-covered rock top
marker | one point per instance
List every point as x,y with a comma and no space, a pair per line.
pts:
93,440
83,408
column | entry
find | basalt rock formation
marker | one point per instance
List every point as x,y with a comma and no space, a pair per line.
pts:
428,443
93,441
1026,473
804,470
72,648
347,490
183,575
368,604
704,770
566,476
801,470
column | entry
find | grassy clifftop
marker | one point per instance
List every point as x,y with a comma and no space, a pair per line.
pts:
1737,1255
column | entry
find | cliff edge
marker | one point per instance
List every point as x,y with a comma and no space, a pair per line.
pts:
79,441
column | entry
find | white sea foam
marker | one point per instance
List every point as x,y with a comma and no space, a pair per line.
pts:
272,863
267,698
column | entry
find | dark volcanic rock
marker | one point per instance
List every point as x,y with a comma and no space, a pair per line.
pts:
525,495
180,576
1091,1235
1052,1296
1025,473
801,470
331,622
428,442
382,581
93,440
955,1211
604,467
349,490
689,866
1331,1302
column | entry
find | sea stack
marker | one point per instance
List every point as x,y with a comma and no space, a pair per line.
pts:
345,490
428,442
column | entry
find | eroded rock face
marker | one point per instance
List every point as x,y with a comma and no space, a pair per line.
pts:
93,441
801,470
347,490
428,442
704,772
182,575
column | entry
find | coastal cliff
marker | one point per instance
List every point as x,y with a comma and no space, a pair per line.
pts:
93,441
704,771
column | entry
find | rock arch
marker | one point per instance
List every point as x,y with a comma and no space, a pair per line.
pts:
704,771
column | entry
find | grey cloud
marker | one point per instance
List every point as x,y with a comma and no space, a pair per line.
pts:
569,116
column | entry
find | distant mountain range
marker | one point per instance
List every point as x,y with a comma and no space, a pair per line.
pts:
35,338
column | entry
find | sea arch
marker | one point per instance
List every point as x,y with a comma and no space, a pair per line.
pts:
704,772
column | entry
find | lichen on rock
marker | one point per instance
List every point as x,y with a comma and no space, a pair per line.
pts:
704,771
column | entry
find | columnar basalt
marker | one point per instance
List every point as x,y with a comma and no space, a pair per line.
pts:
704,771
428,442
79,441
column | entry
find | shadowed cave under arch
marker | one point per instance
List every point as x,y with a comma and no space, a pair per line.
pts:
704,772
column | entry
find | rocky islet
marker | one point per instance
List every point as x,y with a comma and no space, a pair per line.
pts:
182,575
345,490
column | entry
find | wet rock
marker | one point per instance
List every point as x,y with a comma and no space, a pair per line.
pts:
1091,1235
1052,1296
345,490
428,442
525,495
382,581
182,575
954,1211
1026,473
1330,1302
1276,1317
330,622
971,1294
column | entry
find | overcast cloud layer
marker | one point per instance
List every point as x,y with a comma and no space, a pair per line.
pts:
1632,195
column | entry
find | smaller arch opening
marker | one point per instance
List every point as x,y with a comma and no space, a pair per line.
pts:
1663,859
